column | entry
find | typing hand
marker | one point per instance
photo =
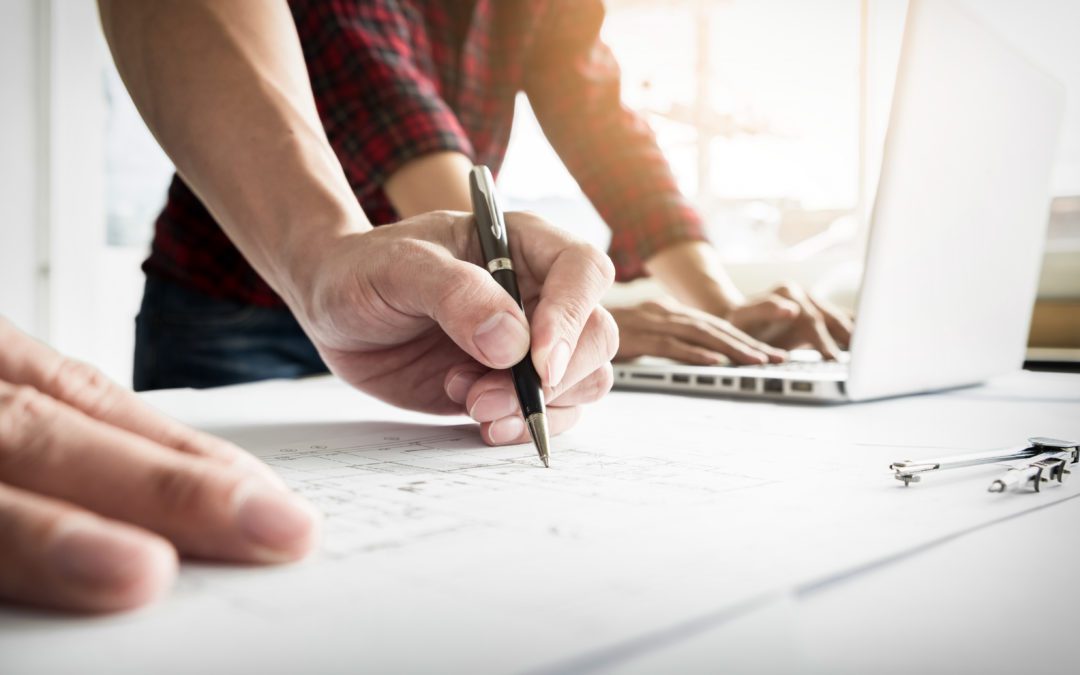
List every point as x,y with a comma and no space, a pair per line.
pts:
405,312
789,318
98,492
786,317
669,329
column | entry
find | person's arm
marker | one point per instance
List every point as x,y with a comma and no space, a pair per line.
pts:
439,181
224,89
574,87
405,311
573,84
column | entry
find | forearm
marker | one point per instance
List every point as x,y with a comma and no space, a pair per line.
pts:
435,182
693,273
224,89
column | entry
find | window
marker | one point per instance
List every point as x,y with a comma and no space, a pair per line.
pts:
773,113
754,102
137,171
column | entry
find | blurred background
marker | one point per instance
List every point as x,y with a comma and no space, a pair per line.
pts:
771,112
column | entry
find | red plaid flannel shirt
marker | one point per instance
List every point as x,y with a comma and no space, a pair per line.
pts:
397,79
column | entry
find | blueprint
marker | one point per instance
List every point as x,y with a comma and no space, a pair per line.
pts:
660,515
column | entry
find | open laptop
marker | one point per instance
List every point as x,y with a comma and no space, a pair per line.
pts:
956,233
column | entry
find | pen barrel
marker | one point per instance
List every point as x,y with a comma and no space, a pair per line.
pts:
524,372
526,380
495,245
490,223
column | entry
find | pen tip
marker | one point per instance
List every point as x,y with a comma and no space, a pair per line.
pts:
537,423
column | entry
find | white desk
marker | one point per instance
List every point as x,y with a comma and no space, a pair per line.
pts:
1003,599
777,542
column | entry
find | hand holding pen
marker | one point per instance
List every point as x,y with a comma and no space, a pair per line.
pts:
491,228
570,338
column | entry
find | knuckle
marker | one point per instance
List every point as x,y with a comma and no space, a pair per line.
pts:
788,290
527,217
667,308
189,441
22,413
82,385
452,223
445,216
573,315
605,269
406,250
604,380
610,331
182,491
457,288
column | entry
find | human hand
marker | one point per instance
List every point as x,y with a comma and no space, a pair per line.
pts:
672,330
788,317
99,492
407,313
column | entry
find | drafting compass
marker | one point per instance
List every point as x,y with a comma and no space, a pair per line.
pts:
1045,458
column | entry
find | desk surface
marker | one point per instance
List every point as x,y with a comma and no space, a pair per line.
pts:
750,535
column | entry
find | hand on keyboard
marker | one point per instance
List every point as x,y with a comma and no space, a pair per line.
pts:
790,318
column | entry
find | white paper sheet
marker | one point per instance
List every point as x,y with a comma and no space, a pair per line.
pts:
661,516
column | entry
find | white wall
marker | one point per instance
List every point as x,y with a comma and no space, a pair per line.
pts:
76,177
51,171
21,146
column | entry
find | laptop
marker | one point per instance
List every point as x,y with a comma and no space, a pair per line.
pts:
956,233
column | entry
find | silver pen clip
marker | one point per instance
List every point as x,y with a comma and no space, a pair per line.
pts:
910,471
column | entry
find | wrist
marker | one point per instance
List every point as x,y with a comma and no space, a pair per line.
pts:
308,249
693,273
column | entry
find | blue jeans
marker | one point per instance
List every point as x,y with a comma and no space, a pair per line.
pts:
186,339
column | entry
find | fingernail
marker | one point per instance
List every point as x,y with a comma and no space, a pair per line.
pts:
506,430
459,385
91,553
491,405
558,360
277,521
502,339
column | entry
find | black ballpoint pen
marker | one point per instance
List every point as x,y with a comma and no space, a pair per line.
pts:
491,227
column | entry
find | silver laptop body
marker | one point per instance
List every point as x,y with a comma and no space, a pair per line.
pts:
956,235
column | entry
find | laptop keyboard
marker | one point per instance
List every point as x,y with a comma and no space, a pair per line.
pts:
807,366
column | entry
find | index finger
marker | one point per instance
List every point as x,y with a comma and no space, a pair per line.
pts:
817,332
839,324
48,448
26,361
572,275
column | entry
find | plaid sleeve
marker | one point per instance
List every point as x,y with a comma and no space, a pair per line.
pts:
573,84
378,106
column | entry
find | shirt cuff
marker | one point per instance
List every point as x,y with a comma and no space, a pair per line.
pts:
375,151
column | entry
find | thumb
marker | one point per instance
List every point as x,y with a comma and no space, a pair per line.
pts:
476,313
